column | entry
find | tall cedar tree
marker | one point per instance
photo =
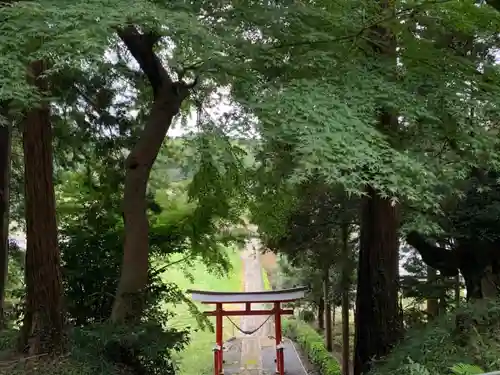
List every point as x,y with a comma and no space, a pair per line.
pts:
167,98
345,299
5,141
43,322
378,318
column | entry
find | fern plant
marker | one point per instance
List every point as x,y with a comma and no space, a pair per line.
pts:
466,369
414,368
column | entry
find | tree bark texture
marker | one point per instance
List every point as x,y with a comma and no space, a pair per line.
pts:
5,154
321,314
43,328
328,311
168,96
345,300
378,318
345,333
134,275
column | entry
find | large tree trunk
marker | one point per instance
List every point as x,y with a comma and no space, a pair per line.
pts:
432,303
328,311
43,328
345,300
378,318
134,275
345,333
5,152
168,96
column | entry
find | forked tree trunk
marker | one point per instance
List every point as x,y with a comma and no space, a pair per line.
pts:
168,96
378,319
43,327
5,153
328,312
129,302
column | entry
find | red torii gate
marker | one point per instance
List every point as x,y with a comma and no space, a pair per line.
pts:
276,297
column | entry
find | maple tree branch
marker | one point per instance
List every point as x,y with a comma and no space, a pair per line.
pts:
370,25
166,266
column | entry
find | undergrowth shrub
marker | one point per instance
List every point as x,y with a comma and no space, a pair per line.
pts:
91,233
467,339
307,315
104,349
313,345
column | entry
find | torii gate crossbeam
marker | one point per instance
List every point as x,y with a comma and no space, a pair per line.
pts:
276,298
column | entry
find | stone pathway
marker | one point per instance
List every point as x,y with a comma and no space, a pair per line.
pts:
251,359
254,354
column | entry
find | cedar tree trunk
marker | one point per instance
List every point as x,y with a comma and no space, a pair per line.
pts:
43,326
328,311
167,98
321,314
345,333
5,153
378,319
345,300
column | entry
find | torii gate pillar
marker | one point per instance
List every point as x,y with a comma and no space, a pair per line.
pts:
276,298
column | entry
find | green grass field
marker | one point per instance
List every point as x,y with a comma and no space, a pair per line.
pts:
196,359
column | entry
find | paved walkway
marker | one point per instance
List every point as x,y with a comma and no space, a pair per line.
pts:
257,351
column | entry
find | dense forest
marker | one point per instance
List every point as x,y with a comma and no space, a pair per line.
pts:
357,139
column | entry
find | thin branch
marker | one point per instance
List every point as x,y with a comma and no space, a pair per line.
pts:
370,25
163,268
